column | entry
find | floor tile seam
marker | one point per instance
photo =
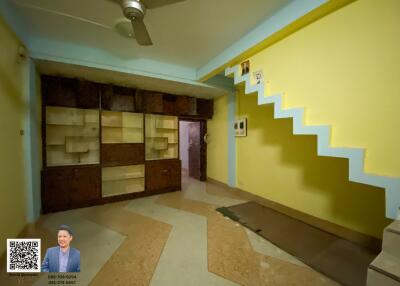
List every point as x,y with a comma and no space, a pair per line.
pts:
224,196
185,210
91,219
159,219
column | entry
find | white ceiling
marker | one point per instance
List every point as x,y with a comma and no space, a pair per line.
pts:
188,33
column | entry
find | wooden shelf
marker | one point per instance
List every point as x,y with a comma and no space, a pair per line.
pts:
161,136
122,180
122,172
122,127
72,136
116,188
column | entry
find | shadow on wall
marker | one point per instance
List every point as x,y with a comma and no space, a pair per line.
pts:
12,92
353,205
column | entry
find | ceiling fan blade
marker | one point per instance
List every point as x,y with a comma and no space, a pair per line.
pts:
141,34
150,4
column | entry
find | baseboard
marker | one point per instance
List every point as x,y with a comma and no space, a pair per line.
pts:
372,243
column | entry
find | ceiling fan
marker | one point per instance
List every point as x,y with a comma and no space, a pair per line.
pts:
134,10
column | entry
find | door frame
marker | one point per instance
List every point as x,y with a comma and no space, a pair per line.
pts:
203,145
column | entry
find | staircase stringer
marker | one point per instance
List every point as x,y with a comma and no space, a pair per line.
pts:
355,156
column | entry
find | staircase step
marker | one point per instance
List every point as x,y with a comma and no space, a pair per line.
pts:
387,265
391,239
375,278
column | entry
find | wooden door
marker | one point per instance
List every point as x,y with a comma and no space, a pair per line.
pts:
163,175
194,150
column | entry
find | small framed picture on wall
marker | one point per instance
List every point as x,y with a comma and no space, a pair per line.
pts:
245,67
240,127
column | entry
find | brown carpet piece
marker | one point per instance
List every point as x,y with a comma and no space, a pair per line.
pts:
339,259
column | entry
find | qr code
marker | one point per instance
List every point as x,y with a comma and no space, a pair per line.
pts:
23,255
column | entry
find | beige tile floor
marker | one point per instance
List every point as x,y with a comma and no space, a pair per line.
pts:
171,239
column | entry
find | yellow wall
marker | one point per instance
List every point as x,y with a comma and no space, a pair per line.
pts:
274,164
217,148
345,70
12,112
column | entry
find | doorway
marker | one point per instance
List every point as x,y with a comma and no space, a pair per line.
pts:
192,148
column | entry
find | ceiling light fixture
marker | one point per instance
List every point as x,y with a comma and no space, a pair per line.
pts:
124,28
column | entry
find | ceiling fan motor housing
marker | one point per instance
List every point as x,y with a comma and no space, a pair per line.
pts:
133,9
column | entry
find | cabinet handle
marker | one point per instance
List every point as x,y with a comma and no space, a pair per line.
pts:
165,171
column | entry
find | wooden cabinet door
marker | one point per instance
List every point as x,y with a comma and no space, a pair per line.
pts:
205,108
87,95
163,175
70,187
86,189
170,104
118,98
57,184
59,91
187,105
152,101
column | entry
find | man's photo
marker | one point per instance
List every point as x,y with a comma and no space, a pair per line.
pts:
62,258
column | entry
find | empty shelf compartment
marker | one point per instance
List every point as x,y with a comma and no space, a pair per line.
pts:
122,187
64,116
122,173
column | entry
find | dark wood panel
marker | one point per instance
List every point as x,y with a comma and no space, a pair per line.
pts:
59,91
122,154
205,108
179,105
203,151
163,175
57,184
118,98
152,102
187,105
86,188
87,95
170,104
70,187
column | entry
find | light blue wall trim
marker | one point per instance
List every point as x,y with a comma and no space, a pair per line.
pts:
31,144
222,82
354,155
45,49
13,20
27,145
231,139
35,139
278,21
